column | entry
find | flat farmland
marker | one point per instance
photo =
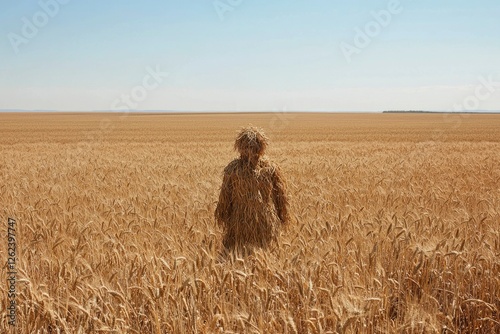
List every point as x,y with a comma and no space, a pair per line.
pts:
395,224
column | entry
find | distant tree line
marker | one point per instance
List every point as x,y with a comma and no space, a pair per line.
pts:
440,112
406,111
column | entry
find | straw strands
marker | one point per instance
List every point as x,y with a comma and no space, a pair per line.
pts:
252,202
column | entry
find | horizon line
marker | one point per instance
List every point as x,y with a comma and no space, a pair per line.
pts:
239,111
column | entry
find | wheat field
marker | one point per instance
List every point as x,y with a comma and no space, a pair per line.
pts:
395,224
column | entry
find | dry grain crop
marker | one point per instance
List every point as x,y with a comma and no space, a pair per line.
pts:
395,225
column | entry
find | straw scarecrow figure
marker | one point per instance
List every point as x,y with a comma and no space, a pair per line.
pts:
252,202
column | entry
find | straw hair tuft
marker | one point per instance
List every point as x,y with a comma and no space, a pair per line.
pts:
251,140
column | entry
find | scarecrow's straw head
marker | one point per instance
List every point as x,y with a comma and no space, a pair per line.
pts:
251,142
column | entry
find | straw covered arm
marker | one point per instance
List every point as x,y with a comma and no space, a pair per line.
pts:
280,198
224,206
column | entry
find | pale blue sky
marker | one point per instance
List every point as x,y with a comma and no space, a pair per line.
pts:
257,55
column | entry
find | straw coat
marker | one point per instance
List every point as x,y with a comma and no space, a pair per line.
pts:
252,202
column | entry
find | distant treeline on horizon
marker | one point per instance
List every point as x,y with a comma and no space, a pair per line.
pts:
440,112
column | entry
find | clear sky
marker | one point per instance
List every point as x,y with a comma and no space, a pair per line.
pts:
230,55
